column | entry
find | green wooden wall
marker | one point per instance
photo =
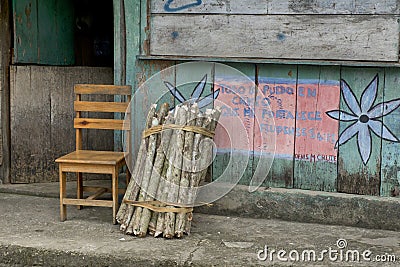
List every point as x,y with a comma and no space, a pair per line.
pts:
335,124
43,32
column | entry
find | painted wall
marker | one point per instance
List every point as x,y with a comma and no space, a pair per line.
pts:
335,122
35,24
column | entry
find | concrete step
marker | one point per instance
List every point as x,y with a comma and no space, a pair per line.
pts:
273,203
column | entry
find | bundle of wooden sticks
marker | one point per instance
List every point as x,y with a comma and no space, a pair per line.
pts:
174,154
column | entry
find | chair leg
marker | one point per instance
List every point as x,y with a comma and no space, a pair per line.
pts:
115,194
63,184
79,187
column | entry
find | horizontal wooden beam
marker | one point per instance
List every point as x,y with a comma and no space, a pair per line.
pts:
350,63
101,89
101,106
85,202
263,7
317,37
104,124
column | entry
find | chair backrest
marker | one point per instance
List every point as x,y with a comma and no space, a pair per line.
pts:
81,106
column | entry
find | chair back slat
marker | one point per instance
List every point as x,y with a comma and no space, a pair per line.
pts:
101,106
104,124
101,89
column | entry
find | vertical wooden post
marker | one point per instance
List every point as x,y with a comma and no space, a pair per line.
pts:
78,135
5,60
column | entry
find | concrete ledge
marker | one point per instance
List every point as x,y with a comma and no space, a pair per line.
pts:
275,203
310,206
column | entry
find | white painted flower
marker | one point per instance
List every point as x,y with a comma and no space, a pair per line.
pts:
196,94
365,116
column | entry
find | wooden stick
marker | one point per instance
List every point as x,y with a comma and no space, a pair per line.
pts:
125,211
200,167
174,170
154,216
186,171
151,155
155,178
168,163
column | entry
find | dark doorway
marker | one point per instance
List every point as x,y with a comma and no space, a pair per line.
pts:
94,33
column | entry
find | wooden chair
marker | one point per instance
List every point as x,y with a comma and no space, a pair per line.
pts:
90,161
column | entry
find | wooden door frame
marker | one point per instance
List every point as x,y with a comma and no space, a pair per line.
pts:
5,61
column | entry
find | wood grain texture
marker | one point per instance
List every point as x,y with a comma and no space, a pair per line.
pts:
151,89
30,136
104,124
47,93
100,106
279,7
25,39
315,165
362,37
234,133
390,167
92,157
55,20
354,176
272,79
5,60
37,22
102,89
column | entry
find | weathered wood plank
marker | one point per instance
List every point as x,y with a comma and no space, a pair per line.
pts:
55,22
102,89
42,105
37,22
318,91
25,31
277,7
390,167
104,124
235,130
151,89
355,175
5,60
100,106
278,85
30,125
336,37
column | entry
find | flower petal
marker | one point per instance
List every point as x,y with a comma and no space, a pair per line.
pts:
341,115
348,133
364,143
382,131
198,90
368,97
384,108
175,92
208,99
350,98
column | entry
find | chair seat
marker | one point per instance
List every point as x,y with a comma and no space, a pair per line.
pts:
93,157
